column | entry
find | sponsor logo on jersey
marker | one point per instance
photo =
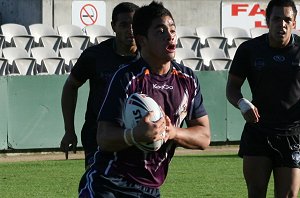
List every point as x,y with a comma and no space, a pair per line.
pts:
156,86
279,58
259,63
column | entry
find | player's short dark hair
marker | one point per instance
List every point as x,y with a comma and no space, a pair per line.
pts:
144,16
124,7
280,3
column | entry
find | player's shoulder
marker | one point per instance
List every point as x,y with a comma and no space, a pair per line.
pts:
262,39
101,48
257,43
134,66
139,65
182,68
109,43
296,39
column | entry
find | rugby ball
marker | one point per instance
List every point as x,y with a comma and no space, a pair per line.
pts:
136,107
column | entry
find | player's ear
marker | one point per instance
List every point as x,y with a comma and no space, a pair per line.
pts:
294,24
267,22
112,26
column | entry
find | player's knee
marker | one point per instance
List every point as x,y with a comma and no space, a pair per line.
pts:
257,191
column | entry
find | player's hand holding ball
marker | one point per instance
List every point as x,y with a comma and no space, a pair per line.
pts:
145,123
148,131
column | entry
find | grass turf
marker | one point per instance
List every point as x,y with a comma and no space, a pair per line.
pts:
191,176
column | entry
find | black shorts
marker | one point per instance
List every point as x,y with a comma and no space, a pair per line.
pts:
283,150
89,141
95,185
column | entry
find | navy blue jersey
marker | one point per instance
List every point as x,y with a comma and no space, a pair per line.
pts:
97,64
274,79
179,95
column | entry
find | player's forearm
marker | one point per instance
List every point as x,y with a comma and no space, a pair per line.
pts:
233,96
196,136
68,105
110,137
233,89
193,137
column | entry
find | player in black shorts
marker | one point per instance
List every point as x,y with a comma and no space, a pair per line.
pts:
97,64
270,140
121,169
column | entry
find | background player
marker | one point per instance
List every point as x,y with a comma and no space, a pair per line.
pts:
270,140
97,64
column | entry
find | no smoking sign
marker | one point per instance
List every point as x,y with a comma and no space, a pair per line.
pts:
88,14
85,13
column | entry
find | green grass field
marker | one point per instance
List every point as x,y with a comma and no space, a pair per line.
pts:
215,175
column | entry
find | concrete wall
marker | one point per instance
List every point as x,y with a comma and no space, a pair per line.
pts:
58,12
25,12
63,10
206,12
30,111
31,117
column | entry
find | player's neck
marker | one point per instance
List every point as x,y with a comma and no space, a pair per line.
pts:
159,67
279,44
125,50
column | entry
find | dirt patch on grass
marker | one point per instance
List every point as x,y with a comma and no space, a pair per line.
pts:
38,156
212,149
56,155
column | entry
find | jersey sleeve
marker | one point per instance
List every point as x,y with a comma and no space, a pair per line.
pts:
112,107
240,62
197,104
85,66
